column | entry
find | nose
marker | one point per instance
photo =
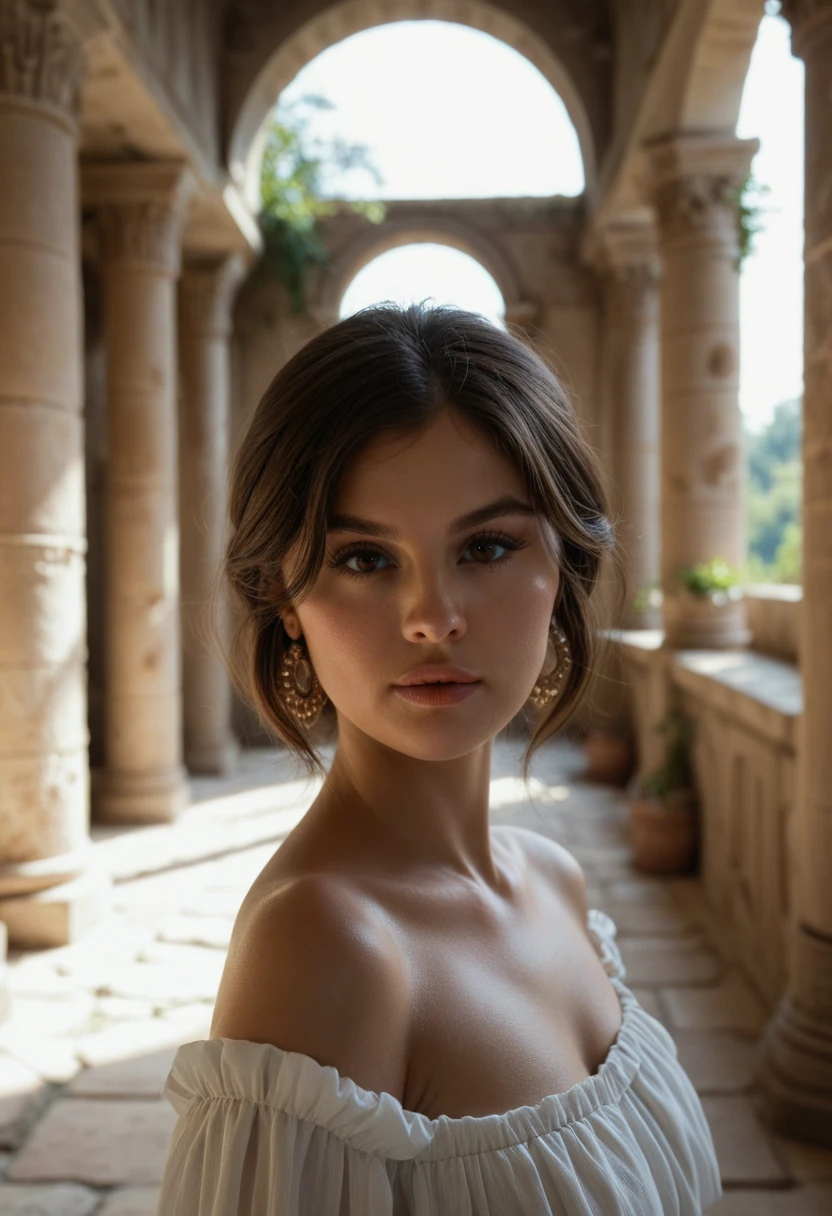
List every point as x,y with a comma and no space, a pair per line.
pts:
433,613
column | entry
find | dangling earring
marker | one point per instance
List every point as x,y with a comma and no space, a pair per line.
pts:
301,690
558,664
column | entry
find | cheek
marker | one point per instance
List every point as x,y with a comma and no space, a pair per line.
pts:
519,625
345,637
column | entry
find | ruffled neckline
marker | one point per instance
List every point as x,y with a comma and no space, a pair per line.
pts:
377,1122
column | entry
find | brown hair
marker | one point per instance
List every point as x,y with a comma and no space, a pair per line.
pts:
392,370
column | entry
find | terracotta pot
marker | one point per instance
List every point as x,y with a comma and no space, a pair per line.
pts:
664,833
609,757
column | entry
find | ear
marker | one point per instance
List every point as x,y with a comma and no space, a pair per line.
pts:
291,623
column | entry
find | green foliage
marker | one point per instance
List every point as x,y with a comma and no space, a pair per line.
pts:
750,212
675,773
707,577
294,194
774,497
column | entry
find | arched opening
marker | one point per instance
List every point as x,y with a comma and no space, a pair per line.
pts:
771,306
341,28
428,271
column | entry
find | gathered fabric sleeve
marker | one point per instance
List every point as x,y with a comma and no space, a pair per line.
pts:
268,1132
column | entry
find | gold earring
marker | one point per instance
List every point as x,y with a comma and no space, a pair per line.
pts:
550,685
301,690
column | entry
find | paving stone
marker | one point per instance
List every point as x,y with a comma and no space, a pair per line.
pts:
657,960
131,1201
728,1005
129,1040
31,1015
214,931
650,919
204,962
213,904
801,1201
156,982
22,1091
641,891
52,1059
98,1142
63,1200
649,1001
806,1162
138,1076
744,1150
717,1061
195,1019
123,1008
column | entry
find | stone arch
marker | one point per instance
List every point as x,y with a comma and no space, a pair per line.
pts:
348,17
414,230
718,66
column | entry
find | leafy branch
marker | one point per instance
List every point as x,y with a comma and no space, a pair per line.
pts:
296,168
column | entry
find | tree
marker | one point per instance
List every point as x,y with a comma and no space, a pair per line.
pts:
774,495
296,166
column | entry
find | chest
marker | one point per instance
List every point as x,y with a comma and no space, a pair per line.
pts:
502,1019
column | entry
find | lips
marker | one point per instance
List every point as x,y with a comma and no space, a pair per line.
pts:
437,674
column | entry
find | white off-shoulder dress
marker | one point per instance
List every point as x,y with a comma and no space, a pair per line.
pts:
266,1132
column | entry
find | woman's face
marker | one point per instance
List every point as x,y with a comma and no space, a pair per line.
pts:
478,595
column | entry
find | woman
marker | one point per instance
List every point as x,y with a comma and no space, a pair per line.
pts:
418,1014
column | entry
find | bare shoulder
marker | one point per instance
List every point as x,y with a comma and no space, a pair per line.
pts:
555,862
311,969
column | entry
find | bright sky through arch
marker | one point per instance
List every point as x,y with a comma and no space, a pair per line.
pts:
436,273
771,284
447,112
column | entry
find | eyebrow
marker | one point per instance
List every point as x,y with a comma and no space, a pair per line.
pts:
507,505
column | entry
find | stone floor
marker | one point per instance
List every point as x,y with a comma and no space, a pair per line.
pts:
94,1026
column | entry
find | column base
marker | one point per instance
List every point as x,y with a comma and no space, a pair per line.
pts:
153,797
796,1050
58,916
213,759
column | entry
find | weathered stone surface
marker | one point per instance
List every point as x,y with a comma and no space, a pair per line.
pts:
63,1200
717,1061
744,1150
649,1000
131,1201
641,891
658,961
214,931
729,1005
649,918
21,1091
806,1162
800,1201
98,1142
124,1041
52,1059
139,1076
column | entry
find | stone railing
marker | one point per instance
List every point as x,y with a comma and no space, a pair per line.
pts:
774,619
746,708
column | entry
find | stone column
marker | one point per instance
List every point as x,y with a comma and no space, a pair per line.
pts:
206,296
631,374
796,1062
140,210
694,180
44,777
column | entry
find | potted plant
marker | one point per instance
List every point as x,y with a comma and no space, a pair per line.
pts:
713,594
610,755
663,813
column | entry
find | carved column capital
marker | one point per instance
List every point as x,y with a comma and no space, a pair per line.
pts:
41,57
141,211
628,257
811,22
206,296
693,181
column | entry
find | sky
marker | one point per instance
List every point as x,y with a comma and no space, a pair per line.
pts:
445,131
